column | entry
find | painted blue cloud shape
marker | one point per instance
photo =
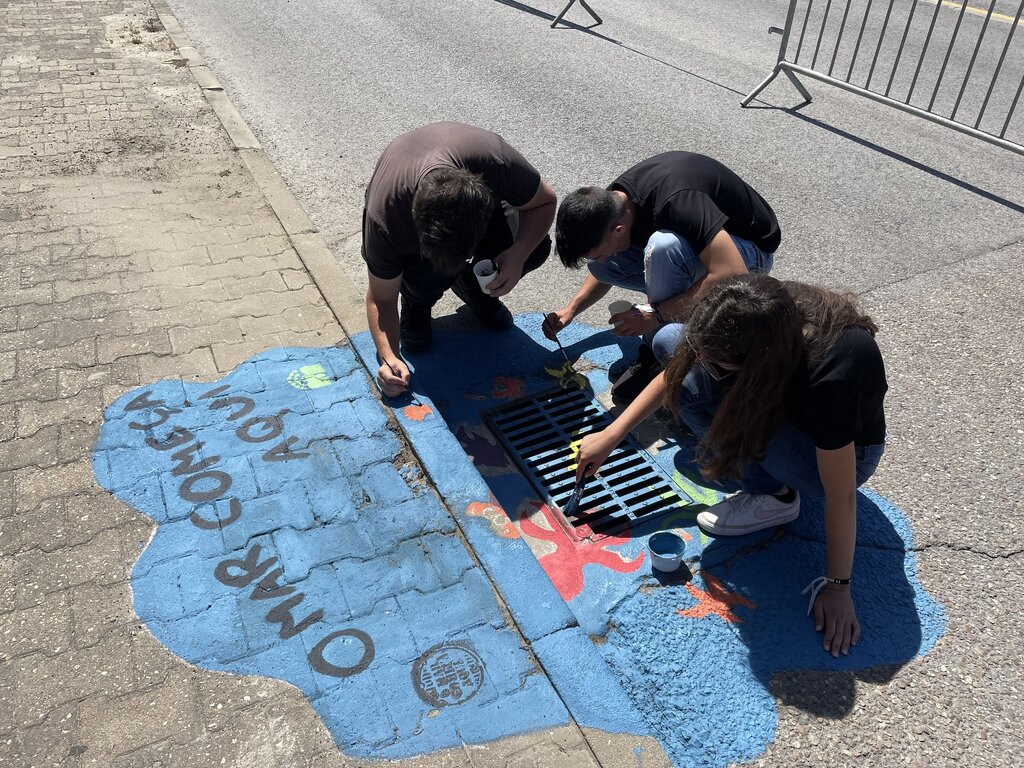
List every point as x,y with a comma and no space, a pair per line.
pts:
701,684
289,545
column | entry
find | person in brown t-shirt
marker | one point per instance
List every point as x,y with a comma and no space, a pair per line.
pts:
442,198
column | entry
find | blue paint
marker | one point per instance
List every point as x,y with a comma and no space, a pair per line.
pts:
348,542
701,684
666,544
538,609
598,694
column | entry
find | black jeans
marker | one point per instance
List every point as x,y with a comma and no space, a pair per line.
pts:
422,287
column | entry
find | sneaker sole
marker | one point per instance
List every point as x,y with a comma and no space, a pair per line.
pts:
740,530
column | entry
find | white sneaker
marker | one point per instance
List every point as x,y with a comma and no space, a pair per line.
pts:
747,512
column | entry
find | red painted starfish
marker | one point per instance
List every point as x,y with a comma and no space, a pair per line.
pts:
564,564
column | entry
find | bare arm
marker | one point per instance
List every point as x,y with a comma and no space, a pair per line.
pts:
595,447
591,292
382,318
722,260
833,610
535,220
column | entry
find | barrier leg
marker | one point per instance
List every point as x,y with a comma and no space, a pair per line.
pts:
798,85
570,4
771,76
760,87
558,18
591,11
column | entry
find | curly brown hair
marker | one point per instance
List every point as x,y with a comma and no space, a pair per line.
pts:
760,329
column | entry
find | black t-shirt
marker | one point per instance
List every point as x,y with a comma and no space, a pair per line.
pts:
696,197
837,399
390,240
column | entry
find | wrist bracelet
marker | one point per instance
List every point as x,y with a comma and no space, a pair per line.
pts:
817,585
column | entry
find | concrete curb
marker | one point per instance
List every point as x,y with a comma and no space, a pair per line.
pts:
547,619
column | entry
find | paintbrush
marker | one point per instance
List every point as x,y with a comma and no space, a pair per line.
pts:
573,504
562,350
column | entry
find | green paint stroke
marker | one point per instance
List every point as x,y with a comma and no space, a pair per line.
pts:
699,494
309,377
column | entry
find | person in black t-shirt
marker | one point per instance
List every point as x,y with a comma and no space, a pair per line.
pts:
670,227
781,386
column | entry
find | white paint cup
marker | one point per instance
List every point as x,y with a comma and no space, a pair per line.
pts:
666,551
485,272
619,306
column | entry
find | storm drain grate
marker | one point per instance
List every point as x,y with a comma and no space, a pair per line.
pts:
541,433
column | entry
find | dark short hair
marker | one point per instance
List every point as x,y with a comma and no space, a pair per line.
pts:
584,218
451,210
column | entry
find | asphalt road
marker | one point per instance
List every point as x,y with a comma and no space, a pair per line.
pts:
927,224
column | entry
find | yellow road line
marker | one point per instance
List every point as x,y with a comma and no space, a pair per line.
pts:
978,11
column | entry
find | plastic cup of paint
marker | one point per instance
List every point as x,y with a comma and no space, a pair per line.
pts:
666,551
485,272
619,306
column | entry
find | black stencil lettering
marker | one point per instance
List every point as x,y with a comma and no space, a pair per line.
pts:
272,427
177,437
186,466
248,570
282,614
163,414
282,451
214,392
188,492
142,401
235,512
324,667
247,405
269,589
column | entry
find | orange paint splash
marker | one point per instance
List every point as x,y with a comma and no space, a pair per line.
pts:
496,516
417,412
564,566
716,601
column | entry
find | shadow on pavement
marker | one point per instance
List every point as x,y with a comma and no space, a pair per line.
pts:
739,599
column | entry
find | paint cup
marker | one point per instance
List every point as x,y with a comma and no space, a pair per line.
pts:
485,272
619,306
666,551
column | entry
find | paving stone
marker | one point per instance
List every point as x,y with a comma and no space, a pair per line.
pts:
197,365
110,348
47,682
55,741
45,627
33,485
43,528
84,407
97,609
115,726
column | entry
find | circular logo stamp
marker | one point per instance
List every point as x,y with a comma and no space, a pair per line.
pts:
448,673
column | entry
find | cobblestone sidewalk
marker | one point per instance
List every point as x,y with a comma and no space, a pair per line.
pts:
135,247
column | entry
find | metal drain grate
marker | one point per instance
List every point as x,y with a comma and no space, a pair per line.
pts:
541,433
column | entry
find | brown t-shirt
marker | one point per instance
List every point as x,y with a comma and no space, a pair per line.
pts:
390,239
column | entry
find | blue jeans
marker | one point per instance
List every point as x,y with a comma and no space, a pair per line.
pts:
668,266
791,458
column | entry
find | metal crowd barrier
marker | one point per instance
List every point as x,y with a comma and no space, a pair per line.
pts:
889,52
570,4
